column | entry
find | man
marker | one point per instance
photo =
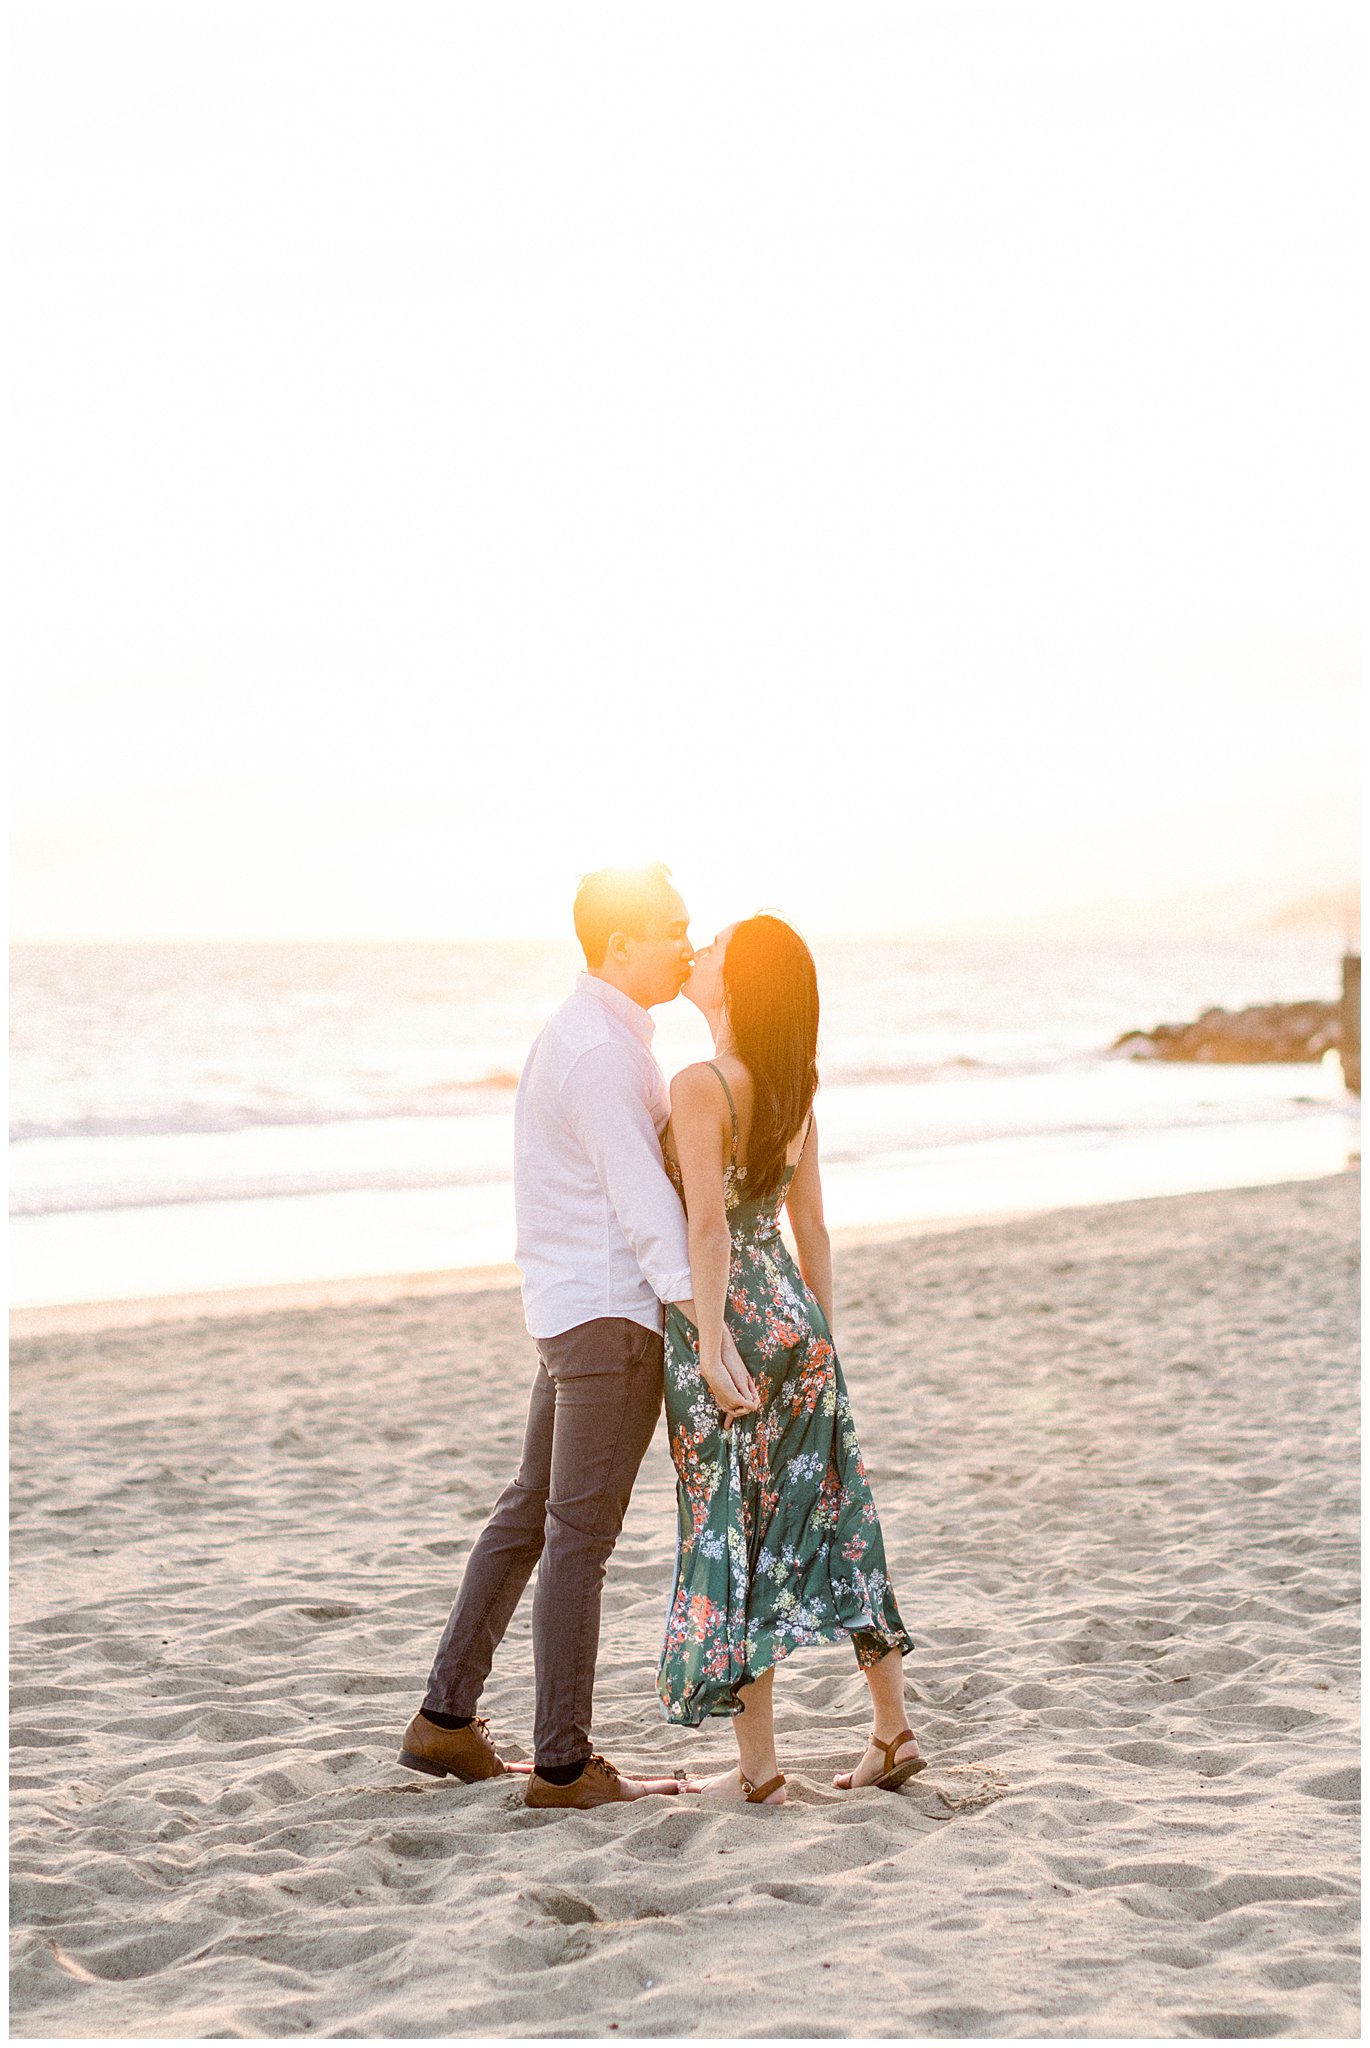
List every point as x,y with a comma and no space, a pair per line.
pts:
601,1244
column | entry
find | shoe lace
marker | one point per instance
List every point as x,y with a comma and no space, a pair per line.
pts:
603,1762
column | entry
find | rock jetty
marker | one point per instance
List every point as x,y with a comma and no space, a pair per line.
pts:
1268,1032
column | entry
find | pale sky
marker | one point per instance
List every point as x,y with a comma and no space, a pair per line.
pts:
895,463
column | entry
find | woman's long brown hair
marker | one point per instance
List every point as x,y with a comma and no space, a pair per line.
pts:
772,992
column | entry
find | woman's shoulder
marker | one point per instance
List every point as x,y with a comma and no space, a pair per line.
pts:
712,1088
696,1083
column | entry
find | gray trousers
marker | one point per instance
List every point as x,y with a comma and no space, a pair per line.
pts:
595,1401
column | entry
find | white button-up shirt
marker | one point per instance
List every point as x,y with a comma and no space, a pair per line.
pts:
601,1231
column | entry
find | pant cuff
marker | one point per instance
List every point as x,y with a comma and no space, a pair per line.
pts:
458,1708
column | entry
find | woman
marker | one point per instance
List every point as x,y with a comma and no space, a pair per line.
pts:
779,1540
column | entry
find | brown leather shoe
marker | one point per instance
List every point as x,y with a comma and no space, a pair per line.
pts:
599,1784
465,1753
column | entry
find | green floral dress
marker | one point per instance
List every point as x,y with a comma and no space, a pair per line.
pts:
779,1539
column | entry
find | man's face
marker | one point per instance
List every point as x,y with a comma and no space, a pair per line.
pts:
660,961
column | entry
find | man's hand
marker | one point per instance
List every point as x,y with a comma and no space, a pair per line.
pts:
730,1383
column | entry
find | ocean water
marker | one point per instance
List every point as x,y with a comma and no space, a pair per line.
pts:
201,1117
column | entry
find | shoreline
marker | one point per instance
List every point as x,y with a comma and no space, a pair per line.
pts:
362,1290
374,1290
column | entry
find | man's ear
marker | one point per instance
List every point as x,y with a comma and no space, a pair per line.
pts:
618,947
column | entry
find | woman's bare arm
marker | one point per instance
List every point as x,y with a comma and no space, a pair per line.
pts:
701,1130
804,1207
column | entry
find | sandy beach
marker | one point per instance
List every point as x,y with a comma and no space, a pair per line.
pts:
1115,1454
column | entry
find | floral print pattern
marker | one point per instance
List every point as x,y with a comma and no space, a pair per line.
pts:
779,1541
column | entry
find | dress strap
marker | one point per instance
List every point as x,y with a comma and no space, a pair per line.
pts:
732,1106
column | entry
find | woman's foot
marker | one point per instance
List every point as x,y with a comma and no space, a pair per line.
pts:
729,1789
878,1763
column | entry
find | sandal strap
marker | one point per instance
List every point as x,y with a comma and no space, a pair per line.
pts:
890,1748
756,1793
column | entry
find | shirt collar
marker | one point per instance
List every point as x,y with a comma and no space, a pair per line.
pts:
623,1007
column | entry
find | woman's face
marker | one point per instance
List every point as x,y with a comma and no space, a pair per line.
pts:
705,985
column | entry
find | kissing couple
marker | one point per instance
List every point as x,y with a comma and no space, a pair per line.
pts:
652,1261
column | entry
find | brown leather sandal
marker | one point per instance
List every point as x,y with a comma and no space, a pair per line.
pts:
757,1795
894,1774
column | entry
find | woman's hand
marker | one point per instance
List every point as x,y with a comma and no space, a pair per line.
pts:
730,1383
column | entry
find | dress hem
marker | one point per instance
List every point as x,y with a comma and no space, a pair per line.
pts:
730,1707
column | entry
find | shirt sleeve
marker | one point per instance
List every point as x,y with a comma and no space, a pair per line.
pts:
611,1120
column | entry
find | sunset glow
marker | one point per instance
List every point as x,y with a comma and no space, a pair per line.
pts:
937,514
